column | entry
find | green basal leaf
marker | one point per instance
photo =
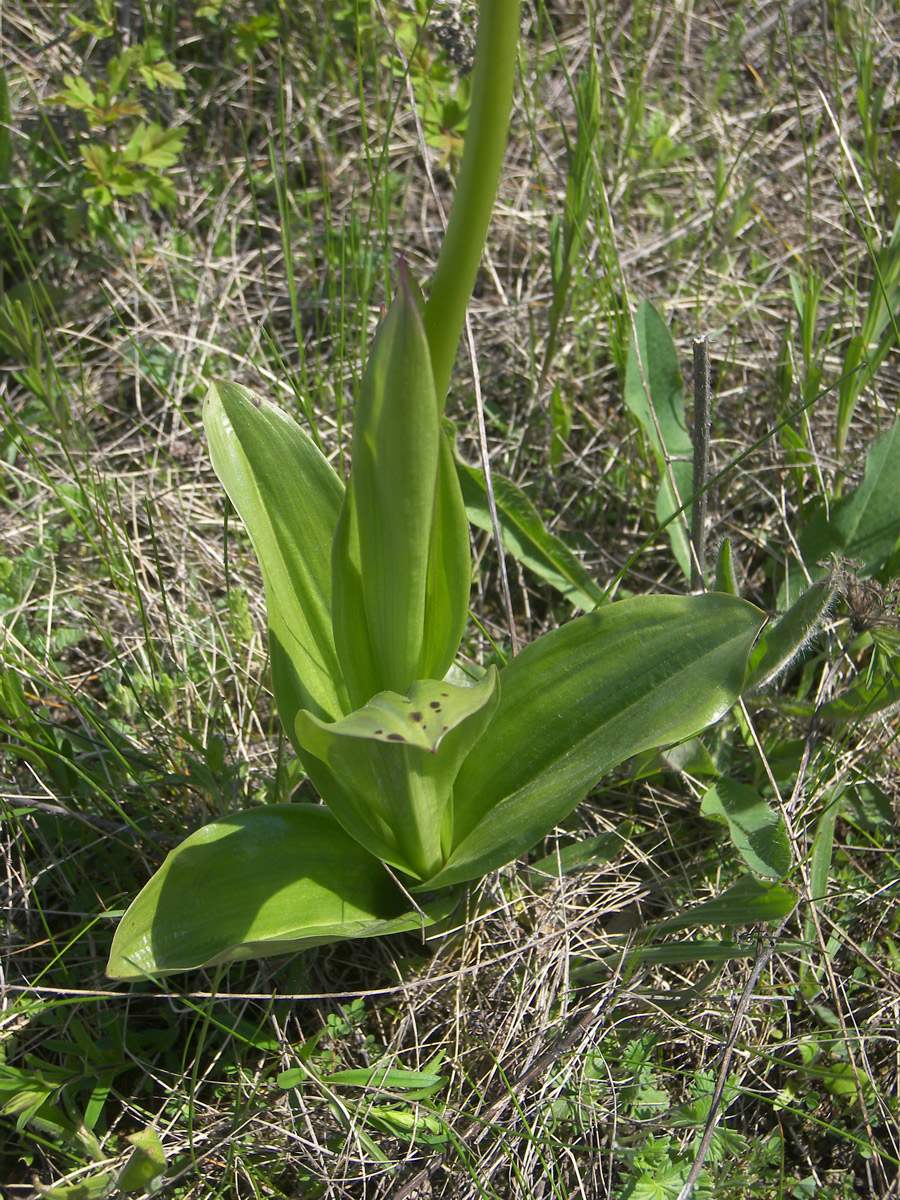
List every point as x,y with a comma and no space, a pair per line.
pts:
265,881
659,407
574,704
392,766
92,1187
756,829
146,1163
383,1077
289,498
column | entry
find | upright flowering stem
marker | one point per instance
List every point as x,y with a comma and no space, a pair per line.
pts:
479,175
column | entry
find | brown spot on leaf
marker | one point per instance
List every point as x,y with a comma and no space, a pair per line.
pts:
436,704
415,716
396,737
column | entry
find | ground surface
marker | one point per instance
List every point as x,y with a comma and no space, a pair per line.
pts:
229,200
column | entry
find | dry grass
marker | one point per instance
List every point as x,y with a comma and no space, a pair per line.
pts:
114,520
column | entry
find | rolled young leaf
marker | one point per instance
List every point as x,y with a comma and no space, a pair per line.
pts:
635,674
392,765
288,497
396,440
265,881
348,614
449,570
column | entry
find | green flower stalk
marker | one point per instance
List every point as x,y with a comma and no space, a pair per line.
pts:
479,175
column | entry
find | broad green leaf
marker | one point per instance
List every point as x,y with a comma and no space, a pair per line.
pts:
289,498
393,763
265,881
348,615
783,640
575,703
659,407
526,537
449,570
146,1163
864,525
396,446
750,901
383,1076
756,829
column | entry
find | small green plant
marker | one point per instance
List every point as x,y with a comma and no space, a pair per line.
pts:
125,157
440,80
434,771
64,177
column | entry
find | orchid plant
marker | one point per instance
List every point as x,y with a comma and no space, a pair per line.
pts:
431,774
